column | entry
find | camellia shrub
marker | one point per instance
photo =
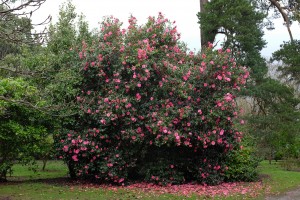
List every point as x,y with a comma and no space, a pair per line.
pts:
150,110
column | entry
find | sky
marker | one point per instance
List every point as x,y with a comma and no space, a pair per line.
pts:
182,11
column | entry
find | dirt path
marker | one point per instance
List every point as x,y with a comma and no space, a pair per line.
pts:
291,195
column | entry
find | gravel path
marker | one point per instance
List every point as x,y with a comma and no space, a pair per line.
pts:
291,195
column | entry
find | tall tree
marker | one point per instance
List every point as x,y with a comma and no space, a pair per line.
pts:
23,127
288,10
202,34
16,32
241,23
289,59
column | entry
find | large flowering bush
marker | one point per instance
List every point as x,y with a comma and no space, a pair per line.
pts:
150,110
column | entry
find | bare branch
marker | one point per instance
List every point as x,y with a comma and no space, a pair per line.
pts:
284,16
23,5
45,109
17,34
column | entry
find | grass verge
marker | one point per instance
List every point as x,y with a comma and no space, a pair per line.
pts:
279,180
53,184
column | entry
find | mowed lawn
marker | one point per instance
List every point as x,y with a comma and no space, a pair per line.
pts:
54,184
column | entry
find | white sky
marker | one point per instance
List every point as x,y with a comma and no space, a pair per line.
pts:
181,11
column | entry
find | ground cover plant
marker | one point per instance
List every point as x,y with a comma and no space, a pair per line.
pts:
151,110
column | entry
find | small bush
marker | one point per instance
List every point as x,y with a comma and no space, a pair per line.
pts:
242,165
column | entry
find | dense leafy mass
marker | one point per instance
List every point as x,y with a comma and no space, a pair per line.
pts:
150,110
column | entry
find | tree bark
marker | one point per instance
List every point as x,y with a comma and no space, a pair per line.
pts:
202,35
284,16
71,170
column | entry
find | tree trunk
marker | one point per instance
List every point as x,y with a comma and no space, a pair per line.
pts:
284,16
202,35
71,170
44,163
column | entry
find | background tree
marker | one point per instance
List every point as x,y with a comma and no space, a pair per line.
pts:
204,41
289,60
241,26
270,99
16,32
22,129
288,10
23,125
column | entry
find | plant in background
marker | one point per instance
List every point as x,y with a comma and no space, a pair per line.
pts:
21,128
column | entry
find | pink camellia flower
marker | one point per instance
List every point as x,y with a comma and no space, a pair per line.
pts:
66,148
103,121
219,77
228,97
219,104
222,132
138,96
75,158
122,49
117,80
80,55
213,142
220,141
134,75
142,54
227,79
109,165
128,105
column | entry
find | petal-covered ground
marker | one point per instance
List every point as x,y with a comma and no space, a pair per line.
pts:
253,189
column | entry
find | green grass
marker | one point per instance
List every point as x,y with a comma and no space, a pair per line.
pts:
280,180
50,184
54,169
25,184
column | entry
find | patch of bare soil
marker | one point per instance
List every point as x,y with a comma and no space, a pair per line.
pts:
291,195
5,198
